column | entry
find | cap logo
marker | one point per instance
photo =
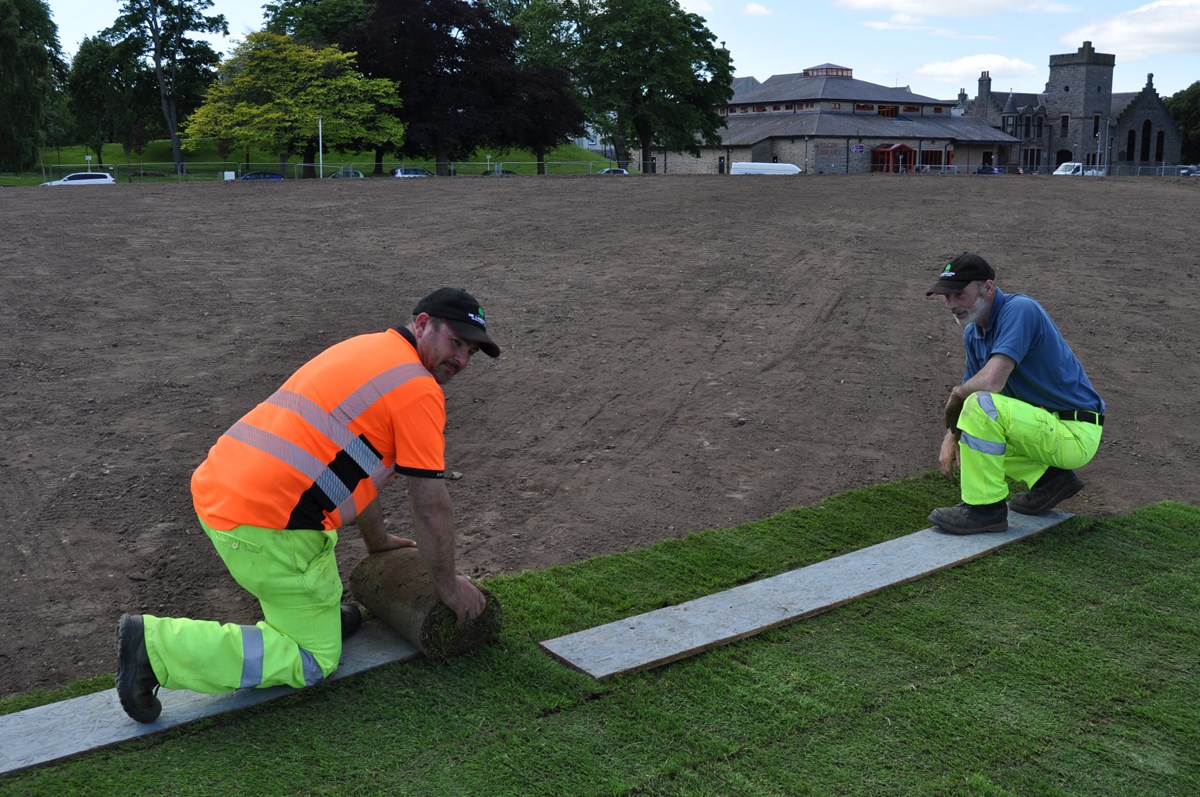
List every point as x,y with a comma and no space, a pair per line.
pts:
477,317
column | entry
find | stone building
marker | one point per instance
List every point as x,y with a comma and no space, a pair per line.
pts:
1079,118
825,121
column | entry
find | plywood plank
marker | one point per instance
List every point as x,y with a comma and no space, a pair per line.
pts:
672,633
48,733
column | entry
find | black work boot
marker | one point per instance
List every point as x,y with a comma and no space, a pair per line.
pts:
1053,488
351,620
971,518
137,686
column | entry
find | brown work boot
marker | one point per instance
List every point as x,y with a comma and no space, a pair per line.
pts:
971,518
1053,488
137,686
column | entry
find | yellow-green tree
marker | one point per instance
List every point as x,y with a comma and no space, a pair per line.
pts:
272,91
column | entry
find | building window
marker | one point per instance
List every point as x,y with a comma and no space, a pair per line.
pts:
890,111
1039,127
1028,122
912,108
1095,125
1066,125
837,106
863,106
937,109
787,107
774,107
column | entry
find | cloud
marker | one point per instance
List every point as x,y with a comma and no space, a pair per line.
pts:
1159,28
961,8
696,6
964,72
755,10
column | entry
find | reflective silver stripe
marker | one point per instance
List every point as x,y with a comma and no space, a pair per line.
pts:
252,656
294,455
335,427
987,404
360,400
984,446
324,423
312,670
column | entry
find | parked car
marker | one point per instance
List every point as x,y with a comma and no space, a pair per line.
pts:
411,171
1078,169
262,176
1189,171
613,171
350,173
989,170
84,178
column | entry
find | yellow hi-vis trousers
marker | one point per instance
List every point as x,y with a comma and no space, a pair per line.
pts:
294,575
1003,436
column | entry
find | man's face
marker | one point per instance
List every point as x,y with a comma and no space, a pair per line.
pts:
972,304
442,351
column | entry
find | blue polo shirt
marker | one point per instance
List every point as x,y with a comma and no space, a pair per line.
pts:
1048,374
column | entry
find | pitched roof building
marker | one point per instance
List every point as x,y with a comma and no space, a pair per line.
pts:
1079,118
824,120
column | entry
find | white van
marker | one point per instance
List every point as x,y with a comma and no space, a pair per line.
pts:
750,167
1072,167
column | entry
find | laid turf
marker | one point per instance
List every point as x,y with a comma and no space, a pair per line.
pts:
1062,664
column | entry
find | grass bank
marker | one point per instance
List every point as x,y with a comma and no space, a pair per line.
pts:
1064,664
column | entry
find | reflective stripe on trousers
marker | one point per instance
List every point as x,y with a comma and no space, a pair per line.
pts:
294,576
1005,437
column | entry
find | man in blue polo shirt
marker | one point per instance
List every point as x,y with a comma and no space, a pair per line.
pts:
1025,408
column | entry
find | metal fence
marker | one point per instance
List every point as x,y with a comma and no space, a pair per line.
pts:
235,170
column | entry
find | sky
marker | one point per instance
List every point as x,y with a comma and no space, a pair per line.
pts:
934,47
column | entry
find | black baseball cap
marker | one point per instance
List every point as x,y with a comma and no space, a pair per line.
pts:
960,271
463,313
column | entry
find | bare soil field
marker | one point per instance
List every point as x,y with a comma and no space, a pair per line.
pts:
680,353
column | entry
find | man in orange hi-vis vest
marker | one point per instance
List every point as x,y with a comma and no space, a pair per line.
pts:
278,485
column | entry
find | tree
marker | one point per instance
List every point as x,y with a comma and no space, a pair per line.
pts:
91,93
315,22
271,93
30,67
654,70
544,110
1184,107
182,66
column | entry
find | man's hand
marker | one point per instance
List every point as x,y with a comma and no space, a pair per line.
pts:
948,456
467,601
954,405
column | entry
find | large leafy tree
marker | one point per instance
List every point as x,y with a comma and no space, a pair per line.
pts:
273,94
455,67
158,30
646,70
112,95
654,69
30,68
1184,106
316,22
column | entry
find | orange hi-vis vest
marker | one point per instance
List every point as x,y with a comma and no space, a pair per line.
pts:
317,452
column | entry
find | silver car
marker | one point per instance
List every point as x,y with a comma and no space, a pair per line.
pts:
84,178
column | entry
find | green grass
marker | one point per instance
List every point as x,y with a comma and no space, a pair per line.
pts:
157,157
1065,664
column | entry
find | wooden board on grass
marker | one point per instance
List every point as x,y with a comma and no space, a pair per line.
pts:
675,632
48,733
